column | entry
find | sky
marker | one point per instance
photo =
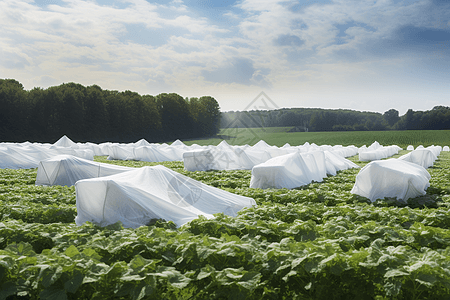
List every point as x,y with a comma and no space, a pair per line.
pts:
365,55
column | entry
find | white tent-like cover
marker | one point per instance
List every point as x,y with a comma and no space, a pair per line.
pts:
286,171
377,151
423,157
28,155
227,157
68,169
139,196
391,178
297,169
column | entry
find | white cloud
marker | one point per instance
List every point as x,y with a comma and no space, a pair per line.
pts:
320,51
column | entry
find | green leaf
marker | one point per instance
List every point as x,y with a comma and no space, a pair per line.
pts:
250,280
7,289
205,272
21,249
74,283
53,293
395,273
393,288
427,279
71,251
92,253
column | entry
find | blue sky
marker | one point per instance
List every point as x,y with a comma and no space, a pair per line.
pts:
367,55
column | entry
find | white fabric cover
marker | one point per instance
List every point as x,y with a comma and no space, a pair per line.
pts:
288,171
226,157
391,178
335,162
219,159
136,197
67,170
376,152
28,156
423,157
64,141
120,152
435,149
446,148
410,148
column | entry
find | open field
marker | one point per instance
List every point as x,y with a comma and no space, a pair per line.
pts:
315,242
279,136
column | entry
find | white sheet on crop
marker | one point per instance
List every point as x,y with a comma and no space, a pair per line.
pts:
136,197
391,178
68,169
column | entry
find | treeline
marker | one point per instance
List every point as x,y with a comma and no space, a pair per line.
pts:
315,119
96,115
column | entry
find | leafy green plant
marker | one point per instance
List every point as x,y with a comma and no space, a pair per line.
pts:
315,242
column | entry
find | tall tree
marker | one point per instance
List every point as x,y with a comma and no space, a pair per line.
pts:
391,116
95,113
176,119
13,115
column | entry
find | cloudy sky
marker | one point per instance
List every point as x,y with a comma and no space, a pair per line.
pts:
368,55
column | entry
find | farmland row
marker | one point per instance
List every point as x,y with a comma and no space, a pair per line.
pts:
315,242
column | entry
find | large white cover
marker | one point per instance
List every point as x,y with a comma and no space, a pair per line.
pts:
391,178
136,197
68,169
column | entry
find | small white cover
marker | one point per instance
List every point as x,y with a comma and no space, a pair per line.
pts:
391,178
64,141
136,197
68,169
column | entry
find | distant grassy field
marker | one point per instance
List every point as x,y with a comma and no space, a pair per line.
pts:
279,136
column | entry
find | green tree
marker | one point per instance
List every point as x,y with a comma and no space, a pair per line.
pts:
176,119
13,113
207,115
391,116
95,114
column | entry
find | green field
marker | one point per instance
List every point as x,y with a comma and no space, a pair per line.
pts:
315,242
279,136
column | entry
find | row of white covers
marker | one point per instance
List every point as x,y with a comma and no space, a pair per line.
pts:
28,155
261,151
297,169
394,178
445,148
226,157
106,194
424,157
377,151
137,197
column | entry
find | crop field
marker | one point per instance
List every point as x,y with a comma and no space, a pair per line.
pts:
314,242
278,136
